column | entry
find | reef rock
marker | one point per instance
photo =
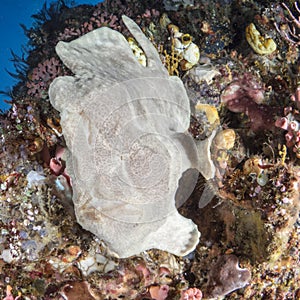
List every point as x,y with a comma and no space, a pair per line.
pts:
226,276
125,127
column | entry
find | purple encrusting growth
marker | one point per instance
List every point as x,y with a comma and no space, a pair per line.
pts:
246,95
226,276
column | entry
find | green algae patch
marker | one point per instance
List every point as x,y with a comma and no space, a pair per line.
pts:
252,235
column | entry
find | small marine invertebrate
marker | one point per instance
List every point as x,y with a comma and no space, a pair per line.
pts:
184,52
253,166
188,51
226,276
191,294
258,43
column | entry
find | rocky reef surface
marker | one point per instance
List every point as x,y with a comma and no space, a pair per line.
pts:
239,64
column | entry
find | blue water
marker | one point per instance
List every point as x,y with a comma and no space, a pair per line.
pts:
13,13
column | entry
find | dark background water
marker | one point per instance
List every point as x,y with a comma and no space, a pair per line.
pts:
12,14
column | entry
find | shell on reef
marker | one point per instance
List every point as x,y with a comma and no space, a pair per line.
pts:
125,127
